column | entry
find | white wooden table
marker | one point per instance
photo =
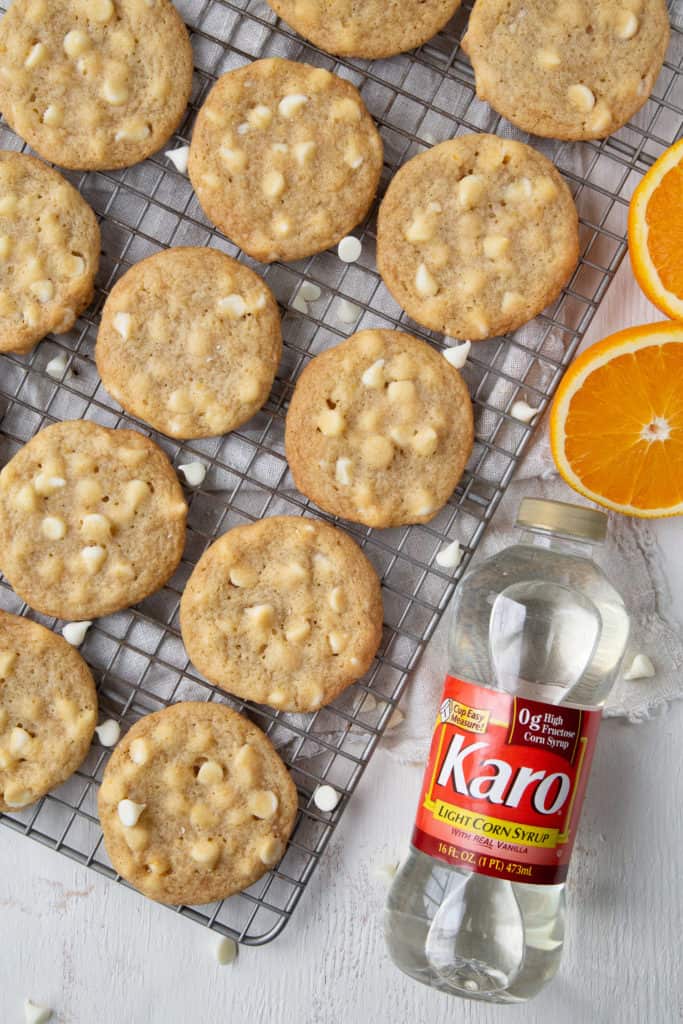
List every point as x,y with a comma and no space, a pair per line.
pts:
99,954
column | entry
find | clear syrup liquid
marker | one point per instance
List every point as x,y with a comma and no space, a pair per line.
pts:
540,620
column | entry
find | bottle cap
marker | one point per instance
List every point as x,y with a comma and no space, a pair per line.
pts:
562,518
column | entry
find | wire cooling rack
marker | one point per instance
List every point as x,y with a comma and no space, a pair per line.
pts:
137,655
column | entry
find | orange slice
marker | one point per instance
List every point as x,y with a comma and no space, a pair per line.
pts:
655,232
616,425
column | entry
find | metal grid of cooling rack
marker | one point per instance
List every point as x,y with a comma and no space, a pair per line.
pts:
137,655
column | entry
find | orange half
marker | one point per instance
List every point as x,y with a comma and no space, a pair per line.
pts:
655,232
616,425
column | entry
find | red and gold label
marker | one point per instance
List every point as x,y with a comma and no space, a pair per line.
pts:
504,784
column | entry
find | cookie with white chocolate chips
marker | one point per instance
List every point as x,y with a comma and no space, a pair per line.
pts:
195,804
92,520
379,429
285,159
48,711
366,28
285,612
476,236
572,69
190,342
49,252
93,84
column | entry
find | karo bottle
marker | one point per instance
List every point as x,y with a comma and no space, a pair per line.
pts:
536,640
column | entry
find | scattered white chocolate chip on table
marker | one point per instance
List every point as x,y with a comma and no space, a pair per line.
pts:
299,303
395,719
225,950
35,1014
640,668
57,368
108,732
310,292
346,312
523,412
449,557
74,632
194,473
458,355
326,798
179,158
349,249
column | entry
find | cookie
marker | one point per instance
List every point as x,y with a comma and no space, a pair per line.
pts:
366,28
285,159
91,520
285,612
476,236
48,711
49,252
195,804
189,342
568,70
94,84
379,430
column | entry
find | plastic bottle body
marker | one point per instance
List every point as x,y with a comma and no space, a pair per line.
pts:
541,621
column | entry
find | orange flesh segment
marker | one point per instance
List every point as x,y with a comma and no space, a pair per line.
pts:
664,218
616,403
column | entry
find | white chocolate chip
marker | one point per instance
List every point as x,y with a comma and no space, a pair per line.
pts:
326,798
53,115
139,751
548,59
5,246
74,265
346,312
457,356
523,411
206,852
179,158
349,249
242,576
225,950
449,557
298,631
292,104
331,422
581,97
273,184
260,116
7,660
134,130
469,191
108,732
282,226
310,292
337,642
627,25
511,302
232,306
401,391
47,485
53,527
122,324
93,557
96,527
640,668
194,473
425,284
115,92
37,56
345,110
262,803
270,850
74,632
518,190
36,1014
425,441
210,773
130,812
261,615
19,740
101,10
496,246
337,600
373,377
76,42
353,156
342,472
234,159
601,118
299,303
279,147
57,367
395,719
43,290
303,151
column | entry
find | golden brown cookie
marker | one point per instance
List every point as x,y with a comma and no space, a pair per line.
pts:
379,430
476,236
286,612
366,28
48,711
93,84
569,70
285,159
91,520
195,804
190,342
49,252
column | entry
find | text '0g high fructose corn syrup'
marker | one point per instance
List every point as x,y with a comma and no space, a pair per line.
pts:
536,641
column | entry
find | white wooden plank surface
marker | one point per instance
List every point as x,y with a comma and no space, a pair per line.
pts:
99,954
